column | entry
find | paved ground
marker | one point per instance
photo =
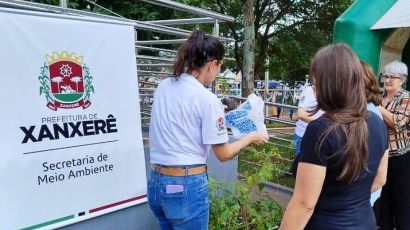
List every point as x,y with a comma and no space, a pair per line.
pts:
281,196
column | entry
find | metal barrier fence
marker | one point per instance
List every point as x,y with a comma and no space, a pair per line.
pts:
280,137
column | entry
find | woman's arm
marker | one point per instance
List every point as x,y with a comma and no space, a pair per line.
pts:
400,117
387,117
381,176
303,115
227,151
309,182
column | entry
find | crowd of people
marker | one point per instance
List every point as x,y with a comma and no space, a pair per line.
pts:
350,141
391,211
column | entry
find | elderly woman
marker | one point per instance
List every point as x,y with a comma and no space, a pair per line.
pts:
395,108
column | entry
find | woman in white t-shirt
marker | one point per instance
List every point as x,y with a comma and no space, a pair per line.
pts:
186,121
307,103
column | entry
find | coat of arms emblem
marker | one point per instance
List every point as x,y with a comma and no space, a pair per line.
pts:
66,81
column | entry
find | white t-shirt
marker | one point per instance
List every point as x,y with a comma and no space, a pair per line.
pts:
308,102
186,119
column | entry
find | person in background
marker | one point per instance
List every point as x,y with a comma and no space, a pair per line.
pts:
279,96
307,103
374,99
372,89
395,108
274,109
343,153
186,121
290,101
290,113
228,103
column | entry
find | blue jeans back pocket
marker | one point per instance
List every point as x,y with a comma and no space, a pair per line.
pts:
175,206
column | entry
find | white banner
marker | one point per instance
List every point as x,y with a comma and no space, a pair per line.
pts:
71,144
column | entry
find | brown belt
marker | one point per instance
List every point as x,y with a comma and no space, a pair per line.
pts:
178,171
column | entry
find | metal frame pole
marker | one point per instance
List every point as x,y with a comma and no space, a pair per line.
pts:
63,3
190,9
184,21
216,28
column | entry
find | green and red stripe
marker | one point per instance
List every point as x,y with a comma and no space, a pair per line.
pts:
65,218
61,219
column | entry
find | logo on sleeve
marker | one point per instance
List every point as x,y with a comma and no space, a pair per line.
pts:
220,124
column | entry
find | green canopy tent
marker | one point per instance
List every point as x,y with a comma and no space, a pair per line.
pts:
377,30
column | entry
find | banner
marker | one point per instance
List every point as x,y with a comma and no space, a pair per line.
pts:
71,143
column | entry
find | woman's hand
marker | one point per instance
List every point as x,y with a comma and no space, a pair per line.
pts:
387,117
259,138
227,151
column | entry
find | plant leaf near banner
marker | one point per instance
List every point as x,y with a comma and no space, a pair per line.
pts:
88,82
45,83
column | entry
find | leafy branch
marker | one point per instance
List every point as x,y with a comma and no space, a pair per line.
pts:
241,205
88,80
44,81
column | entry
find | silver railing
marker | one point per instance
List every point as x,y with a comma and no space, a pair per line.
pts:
158,67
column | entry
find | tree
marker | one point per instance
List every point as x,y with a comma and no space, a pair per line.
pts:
130,9
76,80
287,31
75,4
275,22
58,80
291,51
249,49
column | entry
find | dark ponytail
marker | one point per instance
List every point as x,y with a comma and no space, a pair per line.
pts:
198,49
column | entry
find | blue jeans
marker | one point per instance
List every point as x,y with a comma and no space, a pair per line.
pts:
297,140
188,209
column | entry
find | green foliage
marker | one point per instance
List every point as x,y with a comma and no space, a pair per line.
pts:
137,10
222,84
288,32
242,205
89,88
130,9
75,4
292,50
44,81
49,2
281,155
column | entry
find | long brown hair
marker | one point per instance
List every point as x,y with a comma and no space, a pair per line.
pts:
371,86
198,49
338,80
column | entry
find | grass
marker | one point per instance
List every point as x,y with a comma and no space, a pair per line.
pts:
273,124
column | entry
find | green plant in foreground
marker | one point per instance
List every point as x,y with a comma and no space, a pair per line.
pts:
241,205
252,158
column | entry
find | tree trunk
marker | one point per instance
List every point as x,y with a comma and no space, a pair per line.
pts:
248,49
260,58
238,56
